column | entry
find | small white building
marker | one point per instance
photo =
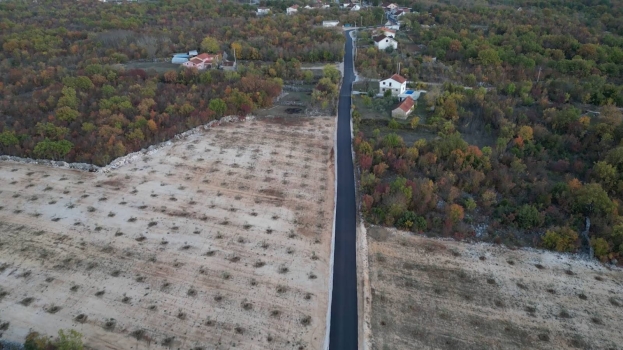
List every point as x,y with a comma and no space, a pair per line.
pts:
292,9
382,42
261,11
396,84
330,23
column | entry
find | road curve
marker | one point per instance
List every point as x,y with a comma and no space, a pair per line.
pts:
343,332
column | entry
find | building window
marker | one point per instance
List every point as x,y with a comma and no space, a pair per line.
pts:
390,84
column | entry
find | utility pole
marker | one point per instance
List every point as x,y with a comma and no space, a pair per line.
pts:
538,76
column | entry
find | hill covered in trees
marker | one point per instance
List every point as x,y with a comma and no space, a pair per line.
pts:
522,142
69,90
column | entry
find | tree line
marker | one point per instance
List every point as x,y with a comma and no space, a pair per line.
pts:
70,93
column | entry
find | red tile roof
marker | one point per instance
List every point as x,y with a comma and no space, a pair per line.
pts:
385,29
206,57
398,78
406,105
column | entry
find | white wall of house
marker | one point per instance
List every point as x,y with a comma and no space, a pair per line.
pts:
400,114
390,84
385,43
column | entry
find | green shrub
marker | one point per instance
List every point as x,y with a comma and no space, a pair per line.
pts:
528,217
560,239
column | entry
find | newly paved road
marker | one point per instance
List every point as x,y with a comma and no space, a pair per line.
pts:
343,334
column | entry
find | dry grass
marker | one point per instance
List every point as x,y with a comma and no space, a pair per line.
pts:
431,294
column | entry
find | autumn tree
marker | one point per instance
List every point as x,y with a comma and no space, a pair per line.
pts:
561,239
210,45
329,71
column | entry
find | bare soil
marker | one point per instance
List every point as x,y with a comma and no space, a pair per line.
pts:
435,294
216,241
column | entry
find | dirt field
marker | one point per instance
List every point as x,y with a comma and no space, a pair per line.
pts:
432,294
217,241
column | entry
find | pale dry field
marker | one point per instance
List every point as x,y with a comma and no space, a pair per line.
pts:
217,241
434,294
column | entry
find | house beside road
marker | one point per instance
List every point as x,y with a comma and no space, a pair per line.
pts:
382,42
330,23
203,61
397,84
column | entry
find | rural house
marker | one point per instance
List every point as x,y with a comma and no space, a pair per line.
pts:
261,11
403,110
203,61
389,7
382,42
330,23
396,84
292,9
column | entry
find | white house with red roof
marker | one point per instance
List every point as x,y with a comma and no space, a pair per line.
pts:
203,61
396,84
382,42
292,9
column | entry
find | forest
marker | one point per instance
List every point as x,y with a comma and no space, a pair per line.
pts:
521,143
69,91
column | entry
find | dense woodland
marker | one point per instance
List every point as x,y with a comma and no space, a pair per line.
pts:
576,46
68,90
545,149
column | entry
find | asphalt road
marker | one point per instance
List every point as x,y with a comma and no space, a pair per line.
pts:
343,334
